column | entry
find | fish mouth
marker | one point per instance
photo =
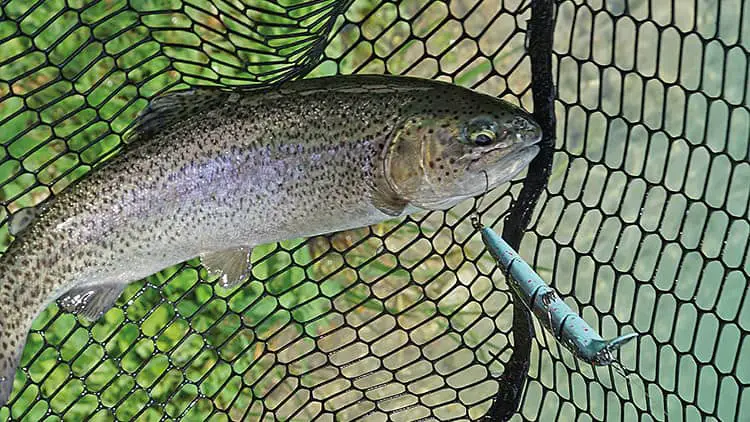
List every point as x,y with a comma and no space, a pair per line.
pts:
513,152
499,171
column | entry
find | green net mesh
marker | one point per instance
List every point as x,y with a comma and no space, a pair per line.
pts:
643,226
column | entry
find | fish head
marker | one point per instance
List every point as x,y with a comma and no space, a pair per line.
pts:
447,151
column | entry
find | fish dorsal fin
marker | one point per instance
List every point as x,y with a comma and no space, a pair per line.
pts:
21,219
91,301
167,109
232,265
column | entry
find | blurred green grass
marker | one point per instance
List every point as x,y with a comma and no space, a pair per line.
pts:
195,346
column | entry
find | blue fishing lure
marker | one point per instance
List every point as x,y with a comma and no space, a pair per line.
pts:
564,324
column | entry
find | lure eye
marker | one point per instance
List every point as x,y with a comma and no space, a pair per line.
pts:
480,131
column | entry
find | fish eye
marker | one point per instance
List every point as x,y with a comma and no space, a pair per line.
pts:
480,131
483,138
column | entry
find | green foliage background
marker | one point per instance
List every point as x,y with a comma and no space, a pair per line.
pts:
641,185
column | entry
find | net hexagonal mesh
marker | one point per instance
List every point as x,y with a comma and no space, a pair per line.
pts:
643,226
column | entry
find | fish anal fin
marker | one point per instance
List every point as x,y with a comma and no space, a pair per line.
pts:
232,265
91,301
21,219
167,109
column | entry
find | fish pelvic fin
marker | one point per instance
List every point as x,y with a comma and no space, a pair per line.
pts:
167,109
91,302
233,265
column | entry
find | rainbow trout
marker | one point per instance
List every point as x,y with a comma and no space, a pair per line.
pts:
212,173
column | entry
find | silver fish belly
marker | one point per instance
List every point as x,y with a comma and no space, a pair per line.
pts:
210,171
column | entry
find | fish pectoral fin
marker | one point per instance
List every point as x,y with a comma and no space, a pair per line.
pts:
385,200
91,301
21,219
388,205
232,265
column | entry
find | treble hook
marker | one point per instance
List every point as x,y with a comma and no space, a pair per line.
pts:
620,369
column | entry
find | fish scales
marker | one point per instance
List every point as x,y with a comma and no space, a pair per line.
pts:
239,169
